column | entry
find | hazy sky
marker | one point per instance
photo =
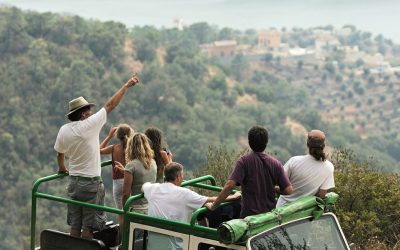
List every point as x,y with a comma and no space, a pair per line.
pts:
377,16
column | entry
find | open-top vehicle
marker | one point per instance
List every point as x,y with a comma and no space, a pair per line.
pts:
305,224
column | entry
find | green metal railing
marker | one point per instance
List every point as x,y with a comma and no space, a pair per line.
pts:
202,210
177,226
36,195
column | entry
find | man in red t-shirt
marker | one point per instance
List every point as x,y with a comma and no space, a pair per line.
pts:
257,173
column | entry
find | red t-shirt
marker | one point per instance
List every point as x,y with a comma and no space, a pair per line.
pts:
258,173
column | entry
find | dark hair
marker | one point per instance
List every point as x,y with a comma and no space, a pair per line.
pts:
258,138
77,114
316,148
156,138
172,170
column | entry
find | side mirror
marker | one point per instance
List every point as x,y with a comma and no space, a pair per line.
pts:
352,246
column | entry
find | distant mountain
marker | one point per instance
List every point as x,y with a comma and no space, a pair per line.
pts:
375,16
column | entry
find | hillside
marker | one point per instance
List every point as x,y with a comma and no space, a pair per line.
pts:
351,76
197,100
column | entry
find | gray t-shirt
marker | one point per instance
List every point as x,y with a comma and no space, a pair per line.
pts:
141,175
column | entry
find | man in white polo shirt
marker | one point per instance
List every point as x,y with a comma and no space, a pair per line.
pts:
310,174
171,201
79,142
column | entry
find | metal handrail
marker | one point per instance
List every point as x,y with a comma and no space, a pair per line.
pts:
200,179
201,210
128,215
36,195
167,224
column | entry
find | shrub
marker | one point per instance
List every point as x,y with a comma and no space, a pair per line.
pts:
220,163
369,201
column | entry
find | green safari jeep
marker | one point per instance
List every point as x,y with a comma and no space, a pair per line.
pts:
308,223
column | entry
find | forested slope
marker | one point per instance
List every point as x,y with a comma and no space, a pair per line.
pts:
46,60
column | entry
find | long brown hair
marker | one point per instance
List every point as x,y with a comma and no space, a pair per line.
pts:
138,147
316,148
157,143
124,131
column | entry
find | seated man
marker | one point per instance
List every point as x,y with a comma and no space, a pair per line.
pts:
258,173
310,174
171,201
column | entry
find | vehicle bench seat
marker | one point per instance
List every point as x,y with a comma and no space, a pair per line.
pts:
56,240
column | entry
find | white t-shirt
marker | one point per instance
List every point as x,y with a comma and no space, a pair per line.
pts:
167,200
307,176
79,141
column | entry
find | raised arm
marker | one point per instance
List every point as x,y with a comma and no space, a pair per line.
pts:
166,156
117,97
103,148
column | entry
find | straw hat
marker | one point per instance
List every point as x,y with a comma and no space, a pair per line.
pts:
78,103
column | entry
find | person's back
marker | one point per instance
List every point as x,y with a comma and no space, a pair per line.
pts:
140,168
307,176
310,174
118,154
169,200
257,174
79,140
162,156
141,175
117,151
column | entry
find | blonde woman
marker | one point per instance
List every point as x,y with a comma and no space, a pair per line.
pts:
140,168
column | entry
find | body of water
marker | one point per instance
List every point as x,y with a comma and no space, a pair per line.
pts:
377,17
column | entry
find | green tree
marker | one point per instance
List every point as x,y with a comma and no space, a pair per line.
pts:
330,67
239,66
12,32
268,57
300,65
218,82
146,41
366,208
203,32
145,50
226,34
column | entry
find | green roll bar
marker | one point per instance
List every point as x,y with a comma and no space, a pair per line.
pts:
169,224
128,215
36,195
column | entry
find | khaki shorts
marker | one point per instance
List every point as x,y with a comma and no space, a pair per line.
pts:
87,190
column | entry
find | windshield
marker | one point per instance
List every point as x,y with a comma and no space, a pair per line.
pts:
322,233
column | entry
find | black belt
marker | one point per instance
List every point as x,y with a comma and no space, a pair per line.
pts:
83,178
